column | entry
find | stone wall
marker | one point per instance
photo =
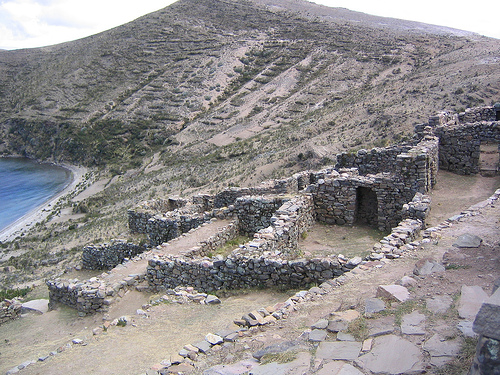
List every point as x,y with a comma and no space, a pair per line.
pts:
414,165
418,209
163,228
106,256
89,296
139,216
254,212
218,240
273,187
240,272
478,114
338,200
376,160
263,261
9,310
459,145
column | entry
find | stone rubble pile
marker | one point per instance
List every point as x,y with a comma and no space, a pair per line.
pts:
9,309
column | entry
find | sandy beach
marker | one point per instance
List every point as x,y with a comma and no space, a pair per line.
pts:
25,223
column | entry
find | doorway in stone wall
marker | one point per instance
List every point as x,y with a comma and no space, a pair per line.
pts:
366,207
489,159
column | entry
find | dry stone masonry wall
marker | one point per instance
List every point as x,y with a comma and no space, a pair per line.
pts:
107,256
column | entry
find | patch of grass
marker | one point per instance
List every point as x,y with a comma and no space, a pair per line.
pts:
358,328
230,245
12,293
453,266
285,357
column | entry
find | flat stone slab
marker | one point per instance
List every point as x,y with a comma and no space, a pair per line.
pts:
374,305
347,315
465,326
320,324
281,347
38,306
337,325
239,368
394,292
471,299
300,365
428,266
412,324
392,354
441,350
468,240
317,335
338,368
439,304
338,350
341,336
381,326
203,346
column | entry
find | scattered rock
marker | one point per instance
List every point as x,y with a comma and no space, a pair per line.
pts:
320,324
317,335
212,300
396,293
204,346
181,368
408,281
214,339
374,305
468,240
427,266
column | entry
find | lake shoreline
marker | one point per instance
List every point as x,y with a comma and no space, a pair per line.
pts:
41,212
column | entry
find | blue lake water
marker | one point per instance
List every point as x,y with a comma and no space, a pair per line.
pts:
25,185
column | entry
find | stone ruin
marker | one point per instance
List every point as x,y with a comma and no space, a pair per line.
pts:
384,188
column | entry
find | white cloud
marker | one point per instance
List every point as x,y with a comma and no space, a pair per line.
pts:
33,23
479,16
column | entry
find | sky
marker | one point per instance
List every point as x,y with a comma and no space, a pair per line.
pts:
37,23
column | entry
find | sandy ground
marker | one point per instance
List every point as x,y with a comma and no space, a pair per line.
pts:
41,212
